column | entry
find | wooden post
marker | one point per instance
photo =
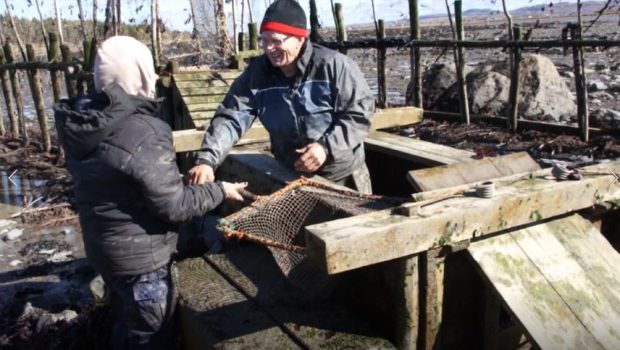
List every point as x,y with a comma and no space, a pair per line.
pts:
241,41
341,34
69,82
407,303
381,58
90,52
6,92
416,74
53,55
460,65
434,266
37,96
253,34
515,82
16,86
315,36
580,86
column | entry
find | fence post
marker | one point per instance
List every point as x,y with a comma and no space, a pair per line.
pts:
515,81
37,95
341,33
240,41
415,95
381,58
8,99
54,57
460,65
253,34
69,82
16,86
580,85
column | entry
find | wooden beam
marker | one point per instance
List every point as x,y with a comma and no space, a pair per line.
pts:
190,140
350,243
414,150
471,172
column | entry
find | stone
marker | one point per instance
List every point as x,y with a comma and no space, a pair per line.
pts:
596,85
544,94
488,93
15,262
48,319
436,81
14,234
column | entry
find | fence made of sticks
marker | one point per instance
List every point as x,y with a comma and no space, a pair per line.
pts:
77,74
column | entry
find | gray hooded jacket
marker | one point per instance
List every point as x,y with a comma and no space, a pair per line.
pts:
327,101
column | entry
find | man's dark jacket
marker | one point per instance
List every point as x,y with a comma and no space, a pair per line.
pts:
127,185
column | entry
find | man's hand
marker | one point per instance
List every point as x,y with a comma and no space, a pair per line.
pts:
200,174
312,158
231,190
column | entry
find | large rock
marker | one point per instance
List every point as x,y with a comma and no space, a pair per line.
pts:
436,82
544,94
488,93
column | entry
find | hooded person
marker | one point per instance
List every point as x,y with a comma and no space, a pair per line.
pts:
313,101
128,190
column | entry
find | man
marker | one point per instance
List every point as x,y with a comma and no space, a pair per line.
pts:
314,102
128,189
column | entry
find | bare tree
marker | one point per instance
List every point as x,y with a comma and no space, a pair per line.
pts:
510,36
18,38
81,15
43,30
220,22
117,19
195,31
234,21
2,36
108,24
58,22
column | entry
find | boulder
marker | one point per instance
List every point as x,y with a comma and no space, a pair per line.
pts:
488,93
436,81
544,94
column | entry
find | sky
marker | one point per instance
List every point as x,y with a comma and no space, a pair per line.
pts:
175,13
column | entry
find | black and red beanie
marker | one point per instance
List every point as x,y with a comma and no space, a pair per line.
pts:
286,17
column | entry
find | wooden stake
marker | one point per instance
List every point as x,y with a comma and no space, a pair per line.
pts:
460,65
16,86
341,33
416,74
515,86
381,58
6,91
580,86
37,96
315,36
70,83
54,56
252,32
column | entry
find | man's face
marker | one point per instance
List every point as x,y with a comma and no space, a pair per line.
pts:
281,49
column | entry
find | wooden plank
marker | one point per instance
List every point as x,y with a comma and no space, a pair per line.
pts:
575,278
204,90
542,312
384,235
192,139
417,151
472,171
203,107
433,294
407,303
203,83
202,99
220,74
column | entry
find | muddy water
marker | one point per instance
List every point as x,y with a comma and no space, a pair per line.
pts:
17,193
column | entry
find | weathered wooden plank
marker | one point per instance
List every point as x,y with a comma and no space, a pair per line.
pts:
584,289
204,90
417,151
191,139
220,74
544,314
434,290
349,243
202,107
203,99
408,304
471,171
203,83
383,119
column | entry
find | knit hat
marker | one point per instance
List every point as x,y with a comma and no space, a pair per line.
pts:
127,62
286,17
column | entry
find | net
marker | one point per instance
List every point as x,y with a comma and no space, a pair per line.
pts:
277,221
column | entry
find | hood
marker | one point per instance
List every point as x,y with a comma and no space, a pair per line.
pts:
84,122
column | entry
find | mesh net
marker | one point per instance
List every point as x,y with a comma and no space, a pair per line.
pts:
278,220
